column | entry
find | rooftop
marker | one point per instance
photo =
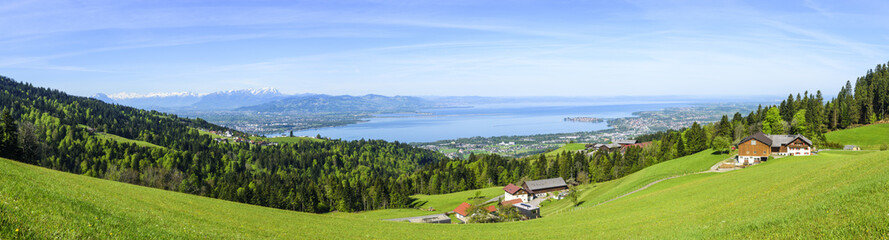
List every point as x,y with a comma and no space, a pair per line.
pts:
511,202
511,189
545,183
525,206
463,209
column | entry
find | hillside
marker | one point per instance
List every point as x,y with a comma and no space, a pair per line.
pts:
834,195
595,193
870,137
89,137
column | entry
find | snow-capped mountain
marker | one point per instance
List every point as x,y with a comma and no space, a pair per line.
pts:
222,100
238,98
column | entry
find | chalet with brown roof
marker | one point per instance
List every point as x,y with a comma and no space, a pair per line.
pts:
758,147
533,189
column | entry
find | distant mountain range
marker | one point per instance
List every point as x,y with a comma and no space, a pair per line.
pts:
271,100
268,100
342,104
223,100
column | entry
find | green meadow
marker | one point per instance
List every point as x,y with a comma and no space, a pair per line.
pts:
832,195
569,147
869,137
112,137
593,194
441,203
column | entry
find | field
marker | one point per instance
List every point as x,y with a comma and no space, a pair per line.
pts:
442,203
287,139
867,137
120,139
595,193
570,147
833,195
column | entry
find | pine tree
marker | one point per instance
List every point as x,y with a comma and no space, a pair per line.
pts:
725,127
680,147
541,166
8,136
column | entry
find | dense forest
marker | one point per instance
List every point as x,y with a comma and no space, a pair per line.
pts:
52,129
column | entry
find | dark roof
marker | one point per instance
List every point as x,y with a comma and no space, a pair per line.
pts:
625,141
525,206
776,140
545,184
462,209
758,136
511,202
512,189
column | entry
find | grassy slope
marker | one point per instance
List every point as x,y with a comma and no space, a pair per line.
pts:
442,203
289,139
595,193
867,137
120,139
835,195
571,147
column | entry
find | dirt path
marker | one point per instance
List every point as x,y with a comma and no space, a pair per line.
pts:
714,168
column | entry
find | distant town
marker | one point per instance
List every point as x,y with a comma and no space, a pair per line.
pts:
620,128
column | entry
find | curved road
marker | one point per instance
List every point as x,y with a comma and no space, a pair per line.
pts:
714,168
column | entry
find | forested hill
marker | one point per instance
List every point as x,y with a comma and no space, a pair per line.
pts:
343,104
49,128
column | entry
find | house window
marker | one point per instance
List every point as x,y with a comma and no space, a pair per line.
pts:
752,142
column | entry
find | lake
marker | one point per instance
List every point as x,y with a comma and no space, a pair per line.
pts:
483,120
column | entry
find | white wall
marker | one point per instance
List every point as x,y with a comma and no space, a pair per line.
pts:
507,197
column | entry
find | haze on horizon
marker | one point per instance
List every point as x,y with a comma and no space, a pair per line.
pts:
444,48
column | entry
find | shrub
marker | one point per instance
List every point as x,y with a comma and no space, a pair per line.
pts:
830,145
884,147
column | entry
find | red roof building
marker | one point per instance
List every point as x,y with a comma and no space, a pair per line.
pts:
512,189
511,202
491,208
463,209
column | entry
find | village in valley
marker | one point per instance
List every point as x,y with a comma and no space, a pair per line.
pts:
641,123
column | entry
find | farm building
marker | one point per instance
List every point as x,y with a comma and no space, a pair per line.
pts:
514,192
528,210
540,188
758,147
463,211
603,147
533,189
511,202
624,142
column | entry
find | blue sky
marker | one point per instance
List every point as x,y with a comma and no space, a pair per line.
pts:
489,48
